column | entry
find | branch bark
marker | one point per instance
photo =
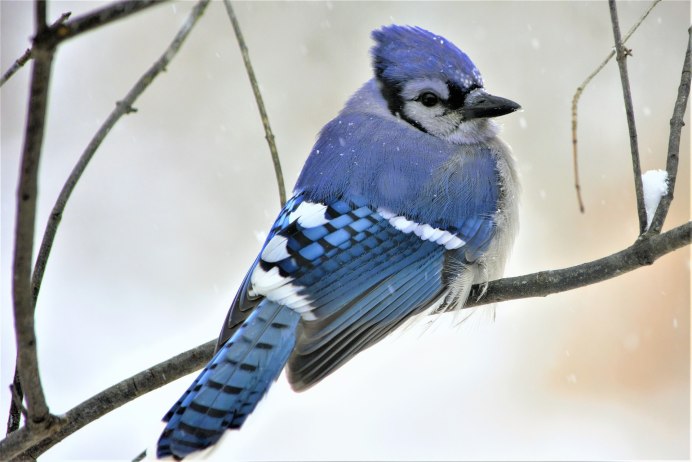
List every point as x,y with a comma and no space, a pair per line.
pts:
621,57
62,29
38,415
97,18
645,251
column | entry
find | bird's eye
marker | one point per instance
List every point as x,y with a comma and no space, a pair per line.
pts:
429,99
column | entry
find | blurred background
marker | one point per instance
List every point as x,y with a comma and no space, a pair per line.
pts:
174,206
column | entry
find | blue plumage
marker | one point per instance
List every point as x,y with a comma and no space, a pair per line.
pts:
407,198
402,54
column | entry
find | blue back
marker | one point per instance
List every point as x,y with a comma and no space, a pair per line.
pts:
404,170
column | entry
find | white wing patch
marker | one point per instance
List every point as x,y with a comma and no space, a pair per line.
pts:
279,289
424,231
275,250
264,282
271,284
309,214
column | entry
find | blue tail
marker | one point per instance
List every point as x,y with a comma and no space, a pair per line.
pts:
231,385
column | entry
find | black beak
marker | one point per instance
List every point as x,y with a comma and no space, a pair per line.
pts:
482,104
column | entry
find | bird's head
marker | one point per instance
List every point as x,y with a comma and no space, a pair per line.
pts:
433,85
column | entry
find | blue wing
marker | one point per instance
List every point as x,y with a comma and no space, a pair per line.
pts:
351,273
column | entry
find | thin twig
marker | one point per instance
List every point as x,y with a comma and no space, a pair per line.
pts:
676,124
22,60
95,19
33,445
62,29
16,407
139,457
621,54
577,96
260,103
38,415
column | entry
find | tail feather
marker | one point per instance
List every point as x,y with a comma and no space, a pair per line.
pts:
233,382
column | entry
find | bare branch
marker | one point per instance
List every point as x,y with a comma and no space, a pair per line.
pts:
95,19
22,60
121,108
104,402
260,103
16,408
62,29
643,252
27,289
44,40
676,124
577,96
27,359
621,54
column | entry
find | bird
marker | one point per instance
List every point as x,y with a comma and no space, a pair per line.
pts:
407,199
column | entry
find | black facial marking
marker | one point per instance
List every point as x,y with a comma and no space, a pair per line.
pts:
391,92
457,95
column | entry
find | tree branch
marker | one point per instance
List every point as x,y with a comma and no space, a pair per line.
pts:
643,252
95,19
27,359
62,30
577,96
260,103
48,38
104,402
621,57
24,314
676,124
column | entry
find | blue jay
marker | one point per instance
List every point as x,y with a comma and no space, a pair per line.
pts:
407,199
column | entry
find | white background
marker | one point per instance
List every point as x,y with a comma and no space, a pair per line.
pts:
175,204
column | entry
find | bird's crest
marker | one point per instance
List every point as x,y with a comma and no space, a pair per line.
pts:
404,53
